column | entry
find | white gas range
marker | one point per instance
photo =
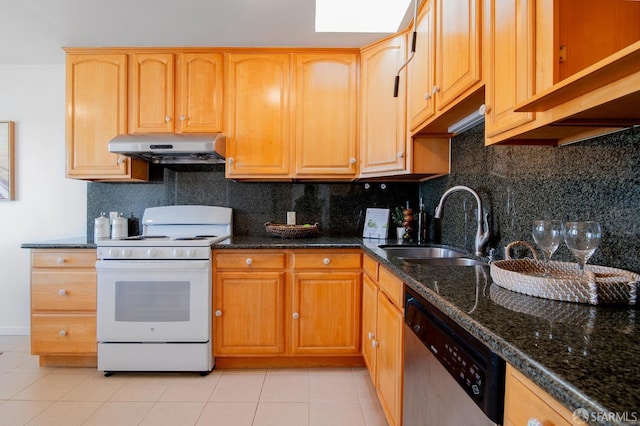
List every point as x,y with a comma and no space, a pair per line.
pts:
154,291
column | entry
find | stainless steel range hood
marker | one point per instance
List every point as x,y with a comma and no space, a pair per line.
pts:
178,148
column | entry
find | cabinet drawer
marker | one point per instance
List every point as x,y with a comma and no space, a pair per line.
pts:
82,258
249,260
370,267
327,260
63,334
391,285
63,291
525,401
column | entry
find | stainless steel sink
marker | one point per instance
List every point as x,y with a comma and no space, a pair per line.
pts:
446,261
414,252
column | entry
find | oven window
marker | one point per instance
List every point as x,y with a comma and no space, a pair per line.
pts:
152,301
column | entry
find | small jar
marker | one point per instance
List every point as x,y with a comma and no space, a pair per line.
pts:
101,228
119,227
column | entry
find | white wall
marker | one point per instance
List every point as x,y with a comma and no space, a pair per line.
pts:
47,205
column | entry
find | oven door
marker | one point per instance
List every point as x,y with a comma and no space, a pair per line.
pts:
154,301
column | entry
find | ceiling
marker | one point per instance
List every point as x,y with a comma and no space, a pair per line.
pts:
33,31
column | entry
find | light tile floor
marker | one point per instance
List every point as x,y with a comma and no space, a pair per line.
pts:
33,395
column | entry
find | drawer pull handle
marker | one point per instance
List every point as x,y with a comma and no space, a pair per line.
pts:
326,261
249,261
534,422
62,333
60,260
296,315
218,313
62,292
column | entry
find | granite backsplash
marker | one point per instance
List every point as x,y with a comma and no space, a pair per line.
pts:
596,179
338,208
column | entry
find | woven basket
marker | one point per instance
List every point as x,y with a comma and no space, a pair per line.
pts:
565,282
291,231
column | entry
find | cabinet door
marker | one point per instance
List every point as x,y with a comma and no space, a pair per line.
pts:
326,114
326,313
389,363
96,112
509,63
249,313
199,92
420,71
153,89
369,318
258,132
383,118
458,66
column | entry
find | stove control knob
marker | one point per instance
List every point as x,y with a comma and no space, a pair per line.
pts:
177,253
126,252
191,252
113,252
151,252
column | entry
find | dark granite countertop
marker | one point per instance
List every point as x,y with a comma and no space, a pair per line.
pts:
584,356
62,243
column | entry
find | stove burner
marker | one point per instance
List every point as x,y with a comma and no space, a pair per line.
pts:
189,238
143,237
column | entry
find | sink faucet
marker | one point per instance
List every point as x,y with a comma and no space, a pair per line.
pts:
482,236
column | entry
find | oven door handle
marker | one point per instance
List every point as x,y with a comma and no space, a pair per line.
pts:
152,265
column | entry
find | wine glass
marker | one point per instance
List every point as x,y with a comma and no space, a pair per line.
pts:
547,234
583,239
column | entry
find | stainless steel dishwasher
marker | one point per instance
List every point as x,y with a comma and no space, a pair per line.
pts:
450,378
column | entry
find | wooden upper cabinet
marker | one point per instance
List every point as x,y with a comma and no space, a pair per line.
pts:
420,71
458,49
509,63
258,131
199,93
152,86
383,116
326,114
176,92
95,114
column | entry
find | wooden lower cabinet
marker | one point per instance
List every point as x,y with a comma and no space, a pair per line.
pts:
526,403
63,307
382,337
249,313
287,307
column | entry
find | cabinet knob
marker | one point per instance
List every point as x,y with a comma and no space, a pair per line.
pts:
400,155
534,422
249,261
62,292
218,313
183,117
374,344
483,109
352,161
326,261
371,335
435,89
62,332
167,118
120,160
427,96
230,160
296,315
60,260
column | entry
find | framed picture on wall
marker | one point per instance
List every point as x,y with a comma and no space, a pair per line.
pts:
7,142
